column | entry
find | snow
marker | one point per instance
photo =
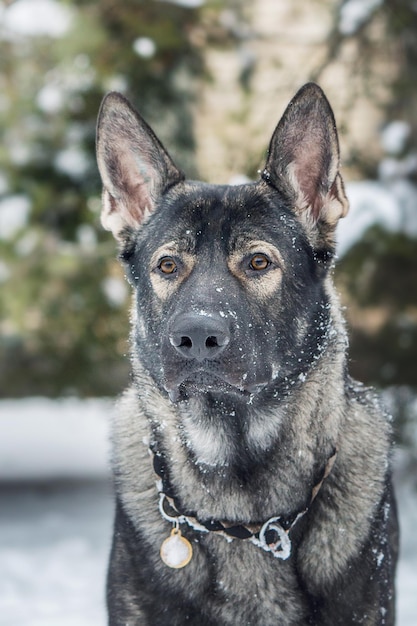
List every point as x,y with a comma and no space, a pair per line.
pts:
239,179
56,515
115,290
406,490
72,161
396,170
56,512
54,545
35,18
14,213
66,439
87,238
51,98
144,47
354,13
390,204
188,4
394,136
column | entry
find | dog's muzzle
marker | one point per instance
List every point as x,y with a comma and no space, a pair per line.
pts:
199,356
200,337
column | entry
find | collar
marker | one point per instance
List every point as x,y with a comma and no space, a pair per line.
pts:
271,535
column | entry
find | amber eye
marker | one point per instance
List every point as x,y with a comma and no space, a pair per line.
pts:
259,262
167,265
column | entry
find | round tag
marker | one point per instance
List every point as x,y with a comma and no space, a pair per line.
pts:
176,551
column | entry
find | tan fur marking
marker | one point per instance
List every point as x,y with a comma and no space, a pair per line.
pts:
264,285
165,288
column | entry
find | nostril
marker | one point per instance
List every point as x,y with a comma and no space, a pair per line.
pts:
211,342
199,337
186,342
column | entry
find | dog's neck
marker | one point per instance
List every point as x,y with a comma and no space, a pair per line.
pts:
165,488
234,457
272,535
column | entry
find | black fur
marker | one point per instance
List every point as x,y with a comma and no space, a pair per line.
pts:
240,385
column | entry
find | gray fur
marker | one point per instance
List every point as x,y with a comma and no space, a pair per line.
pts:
344,549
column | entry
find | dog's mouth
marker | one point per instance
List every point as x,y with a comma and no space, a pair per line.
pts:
202,381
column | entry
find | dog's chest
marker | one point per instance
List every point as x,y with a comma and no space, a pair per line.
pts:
235,582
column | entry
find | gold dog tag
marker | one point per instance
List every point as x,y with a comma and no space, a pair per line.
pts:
176,551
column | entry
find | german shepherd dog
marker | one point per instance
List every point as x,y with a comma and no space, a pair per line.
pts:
252,474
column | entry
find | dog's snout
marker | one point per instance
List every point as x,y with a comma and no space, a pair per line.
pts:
199,337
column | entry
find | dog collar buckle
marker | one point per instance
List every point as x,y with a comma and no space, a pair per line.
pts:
273,538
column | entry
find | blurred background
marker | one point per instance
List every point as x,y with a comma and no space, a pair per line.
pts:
212,78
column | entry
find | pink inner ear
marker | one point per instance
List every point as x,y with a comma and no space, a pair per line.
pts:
134,166
309,178
303,158
136,185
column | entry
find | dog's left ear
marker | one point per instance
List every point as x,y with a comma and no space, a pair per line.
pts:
134,166
303,160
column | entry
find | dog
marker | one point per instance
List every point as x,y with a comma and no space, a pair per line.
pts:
252,474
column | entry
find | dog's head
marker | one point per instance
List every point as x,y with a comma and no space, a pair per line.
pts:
230,280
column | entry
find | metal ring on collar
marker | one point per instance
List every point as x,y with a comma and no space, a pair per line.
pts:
282,548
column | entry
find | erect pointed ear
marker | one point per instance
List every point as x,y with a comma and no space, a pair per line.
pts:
134,166
303,161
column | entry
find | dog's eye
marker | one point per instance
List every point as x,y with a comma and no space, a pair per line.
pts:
167,265
259,262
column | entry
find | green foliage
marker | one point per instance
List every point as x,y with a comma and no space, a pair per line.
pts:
402,26
63,325
378,277
63,304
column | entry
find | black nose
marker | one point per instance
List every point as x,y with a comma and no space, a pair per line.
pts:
197,336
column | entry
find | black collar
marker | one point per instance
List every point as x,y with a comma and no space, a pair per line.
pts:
271,535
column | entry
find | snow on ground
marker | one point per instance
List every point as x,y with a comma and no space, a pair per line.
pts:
54,545
389,204
44,439
56,515
407,570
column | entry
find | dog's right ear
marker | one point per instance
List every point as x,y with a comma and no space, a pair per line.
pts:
303,162
134,166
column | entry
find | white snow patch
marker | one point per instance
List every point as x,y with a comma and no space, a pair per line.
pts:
144,47
87,237
19,152
394,136
36,18
51,98
115,290
390,205
407,567
239,179
55,540
188,4
45,439
72,161
392,169
14,213
54,546
354,13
